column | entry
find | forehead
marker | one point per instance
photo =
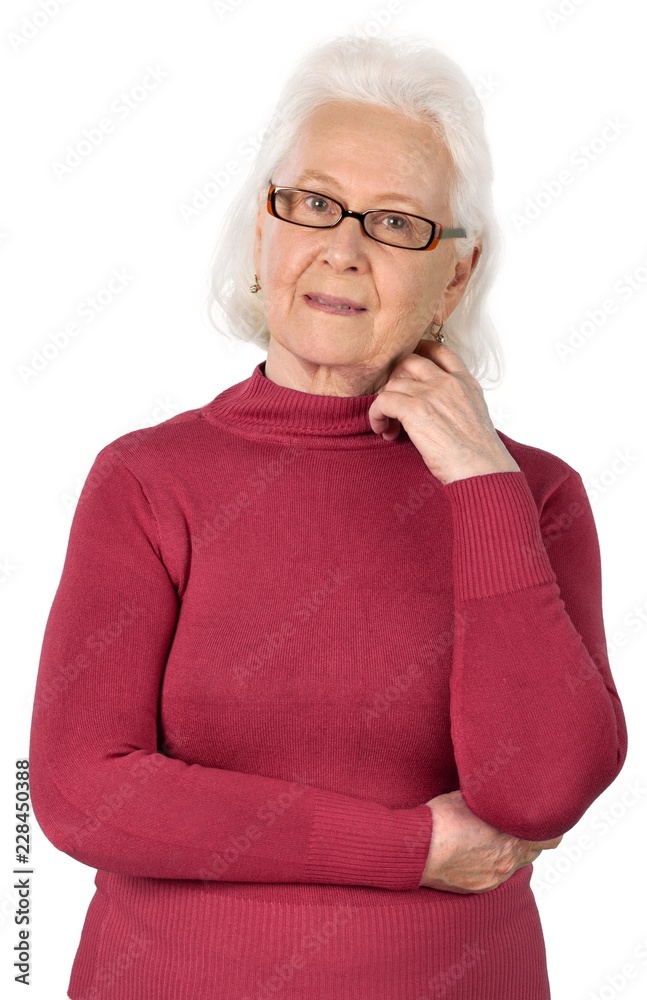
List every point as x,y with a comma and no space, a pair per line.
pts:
370,151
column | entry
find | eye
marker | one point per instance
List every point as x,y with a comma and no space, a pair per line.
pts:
317,203
401,222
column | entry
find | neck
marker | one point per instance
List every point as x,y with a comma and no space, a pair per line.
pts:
352,379
260,408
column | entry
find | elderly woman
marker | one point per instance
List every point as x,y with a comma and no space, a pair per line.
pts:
326,667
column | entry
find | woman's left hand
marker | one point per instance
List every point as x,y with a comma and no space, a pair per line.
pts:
443,410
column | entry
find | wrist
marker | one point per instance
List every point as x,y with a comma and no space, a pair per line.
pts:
508,465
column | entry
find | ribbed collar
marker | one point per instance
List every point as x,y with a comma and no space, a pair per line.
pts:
260,408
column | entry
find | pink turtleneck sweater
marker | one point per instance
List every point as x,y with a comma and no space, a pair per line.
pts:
275,638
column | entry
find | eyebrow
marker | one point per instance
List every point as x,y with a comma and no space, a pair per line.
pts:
318,175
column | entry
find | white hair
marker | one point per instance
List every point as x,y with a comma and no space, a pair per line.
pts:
406,75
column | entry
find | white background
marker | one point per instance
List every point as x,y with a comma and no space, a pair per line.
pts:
548,90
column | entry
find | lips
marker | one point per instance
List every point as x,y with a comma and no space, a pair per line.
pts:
332,300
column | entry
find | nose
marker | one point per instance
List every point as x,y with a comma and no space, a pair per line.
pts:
346,244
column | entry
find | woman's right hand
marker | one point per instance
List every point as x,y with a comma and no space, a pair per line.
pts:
468,855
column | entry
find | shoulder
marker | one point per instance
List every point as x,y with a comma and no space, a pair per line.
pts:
552,480
566,518
162,450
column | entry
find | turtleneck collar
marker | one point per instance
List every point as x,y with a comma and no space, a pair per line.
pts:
260,408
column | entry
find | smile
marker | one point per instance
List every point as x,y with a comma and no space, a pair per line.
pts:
332,305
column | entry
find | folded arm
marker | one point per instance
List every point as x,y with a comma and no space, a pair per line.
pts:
537,724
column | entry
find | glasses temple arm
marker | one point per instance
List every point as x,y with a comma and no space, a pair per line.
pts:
450,233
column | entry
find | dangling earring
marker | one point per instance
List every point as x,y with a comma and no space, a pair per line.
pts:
439,336
255,287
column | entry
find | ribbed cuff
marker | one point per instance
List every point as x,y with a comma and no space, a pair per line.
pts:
497,538
357,842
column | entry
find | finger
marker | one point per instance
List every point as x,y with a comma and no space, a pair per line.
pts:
441,355
546,845
384,423
392,431
412,368
386,411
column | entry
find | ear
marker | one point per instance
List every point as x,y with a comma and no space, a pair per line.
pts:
462,273
465,267
476,253
258,236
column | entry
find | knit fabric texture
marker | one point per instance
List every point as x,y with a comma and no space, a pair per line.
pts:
276,636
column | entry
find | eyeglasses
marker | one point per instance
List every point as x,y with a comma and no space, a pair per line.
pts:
318,211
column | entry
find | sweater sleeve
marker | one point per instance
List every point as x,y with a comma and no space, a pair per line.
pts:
103,789
537,725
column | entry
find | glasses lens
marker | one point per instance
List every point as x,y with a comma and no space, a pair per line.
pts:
306,208
398,229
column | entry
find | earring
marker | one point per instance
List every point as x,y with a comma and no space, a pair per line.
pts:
439,335
255,287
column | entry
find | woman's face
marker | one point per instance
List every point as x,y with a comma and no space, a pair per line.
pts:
376,159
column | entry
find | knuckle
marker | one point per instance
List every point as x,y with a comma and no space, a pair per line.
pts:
506,860
492,883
